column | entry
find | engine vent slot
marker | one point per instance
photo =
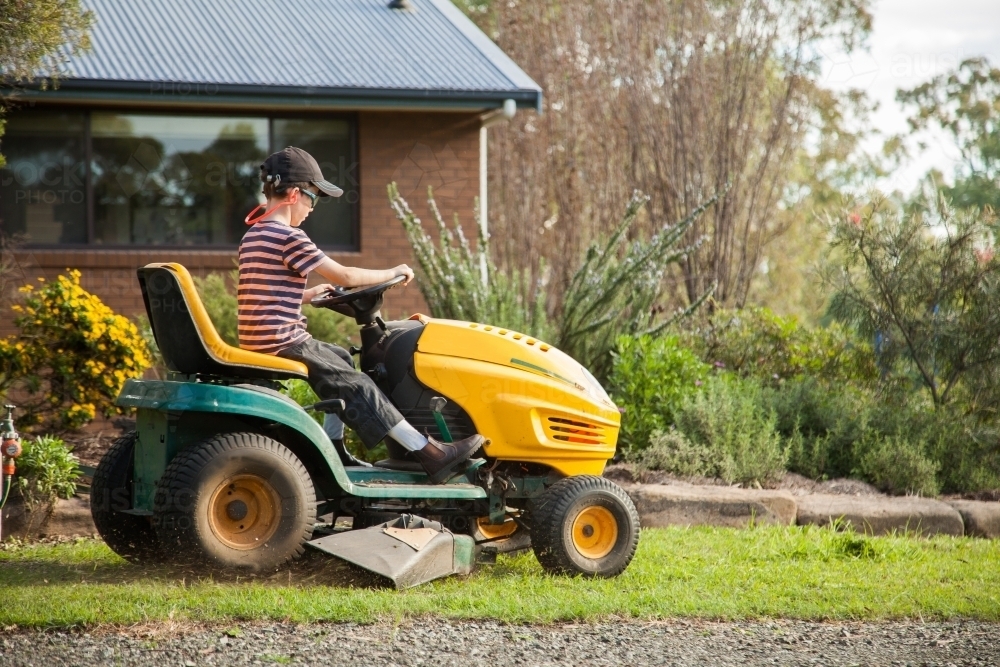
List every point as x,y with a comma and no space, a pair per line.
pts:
562,429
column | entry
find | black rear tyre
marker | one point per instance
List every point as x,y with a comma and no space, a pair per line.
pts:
131,537
584,525
236,500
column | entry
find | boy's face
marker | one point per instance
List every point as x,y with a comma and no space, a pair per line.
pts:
301,209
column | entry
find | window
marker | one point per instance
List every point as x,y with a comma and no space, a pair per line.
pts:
174,180
143,179
43,186
329,141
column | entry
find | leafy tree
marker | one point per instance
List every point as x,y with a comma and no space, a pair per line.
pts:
38,37
927,292
965,103
681,98
834,162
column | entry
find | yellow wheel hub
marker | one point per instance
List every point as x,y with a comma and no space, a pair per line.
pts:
491,532
595,532
244,512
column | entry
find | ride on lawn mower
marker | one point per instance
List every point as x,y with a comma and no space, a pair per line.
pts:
225,470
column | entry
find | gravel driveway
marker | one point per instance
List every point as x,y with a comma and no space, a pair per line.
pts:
435,642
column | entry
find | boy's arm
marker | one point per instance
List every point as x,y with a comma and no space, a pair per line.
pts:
350,276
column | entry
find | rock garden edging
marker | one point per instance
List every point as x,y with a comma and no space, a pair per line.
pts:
663,505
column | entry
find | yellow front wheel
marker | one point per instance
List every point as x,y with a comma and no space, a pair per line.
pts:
584,525
595,532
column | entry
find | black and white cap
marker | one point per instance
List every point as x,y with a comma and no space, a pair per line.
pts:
294,165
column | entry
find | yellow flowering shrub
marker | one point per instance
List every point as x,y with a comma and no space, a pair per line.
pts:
71,357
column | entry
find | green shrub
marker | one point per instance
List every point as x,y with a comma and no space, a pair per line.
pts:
330,327
70,358
898,465
46,470
145,330
670,451
618,286
300,392
726,420
754,342
650,379
964,451
821,423
967,451
829,428
220,301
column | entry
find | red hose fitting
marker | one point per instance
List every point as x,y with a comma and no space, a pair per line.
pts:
9,467
11,447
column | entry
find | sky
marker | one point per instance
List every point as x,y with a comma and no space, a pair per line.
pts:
911,42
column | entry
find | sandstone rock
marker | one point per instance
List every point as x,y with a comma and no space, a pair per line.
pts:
981,518
666,505
67,517
17,522
880,516
70,517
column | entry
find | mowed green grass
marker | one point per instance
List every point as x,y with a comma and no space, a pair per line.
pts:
806,573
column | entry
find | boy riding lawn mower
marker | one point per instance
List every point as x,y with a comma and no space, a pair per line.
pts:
225,470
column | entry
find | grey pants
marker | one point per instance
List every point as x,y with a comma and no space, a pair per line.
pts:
332,375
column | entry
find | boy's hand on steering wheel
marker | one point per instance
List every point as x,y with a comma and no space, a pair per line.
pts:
318,290
404,270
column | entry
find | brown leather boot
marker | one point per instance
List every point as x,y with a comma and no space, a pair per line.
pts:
440,458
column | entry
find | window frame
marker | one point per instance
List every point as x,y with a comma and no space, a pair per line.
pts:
355,208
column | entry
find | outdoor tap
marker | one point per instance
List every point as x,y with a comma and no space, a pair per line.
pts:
11,447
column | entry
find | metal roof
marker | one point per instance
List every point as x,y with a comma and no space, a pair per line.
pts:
355,51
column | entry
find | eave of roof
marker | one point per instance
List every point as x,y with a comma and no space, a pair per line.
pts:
212,95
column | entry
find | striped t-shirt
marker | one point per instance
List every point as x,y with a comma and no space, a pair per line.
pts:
274,261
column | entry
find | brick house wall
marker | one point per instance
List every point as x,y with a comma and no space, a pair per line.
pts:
415,149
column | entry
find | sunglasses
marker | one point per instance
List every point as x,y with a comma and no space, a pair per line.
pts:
313,197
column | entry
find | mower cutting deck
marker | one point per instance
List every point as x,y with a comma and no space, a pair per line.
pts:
226,470
407,551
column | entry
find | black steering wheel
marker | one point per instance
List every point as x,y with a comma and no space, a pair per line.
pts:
342,295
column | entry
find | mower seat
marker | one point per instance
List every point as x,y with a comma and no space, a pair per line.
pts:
188,339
